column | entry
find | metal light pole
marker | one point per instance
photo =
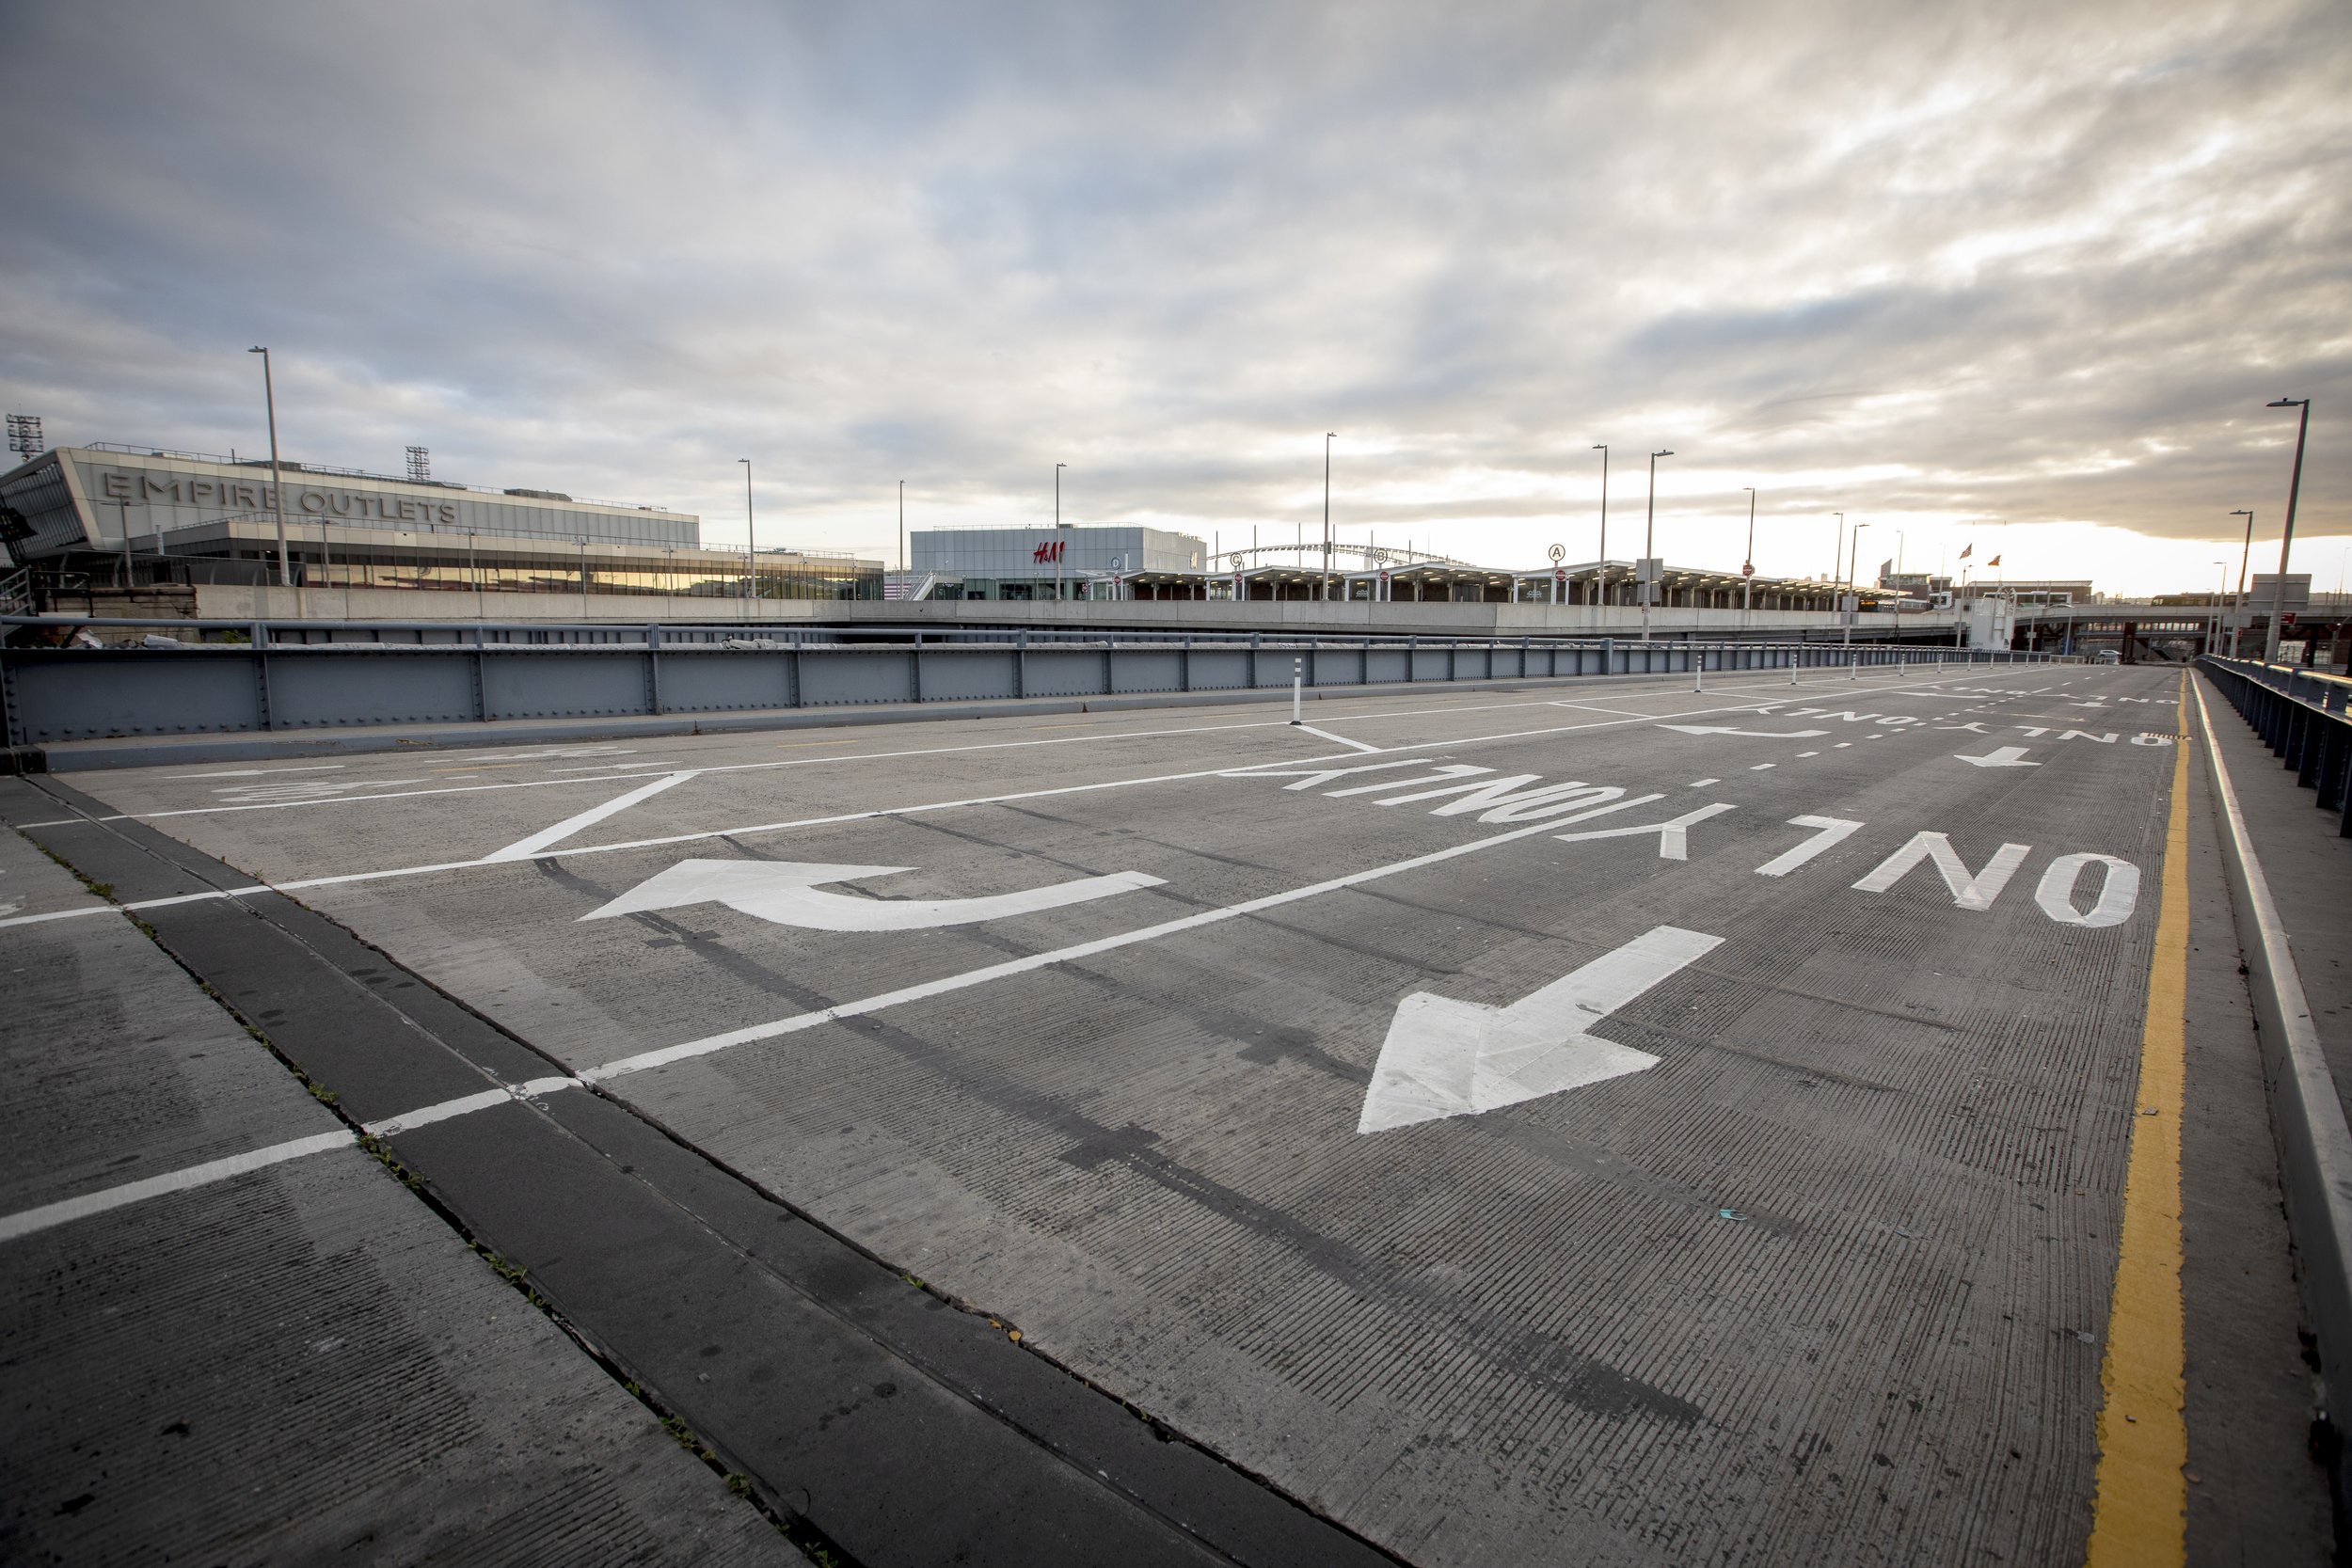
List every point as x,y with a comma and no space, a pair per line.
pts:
276,480
1854,608
902,531
1649,537
2237,600
1747,564
750,537
1329,436
2220,593
1058,469
2286,538
1838,567
1601,577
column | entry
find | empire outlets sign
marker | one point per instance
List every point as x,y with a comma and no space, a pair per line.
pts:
253,495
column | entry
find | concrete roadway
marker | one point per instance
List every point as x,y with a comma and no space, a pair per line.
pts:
1619,1124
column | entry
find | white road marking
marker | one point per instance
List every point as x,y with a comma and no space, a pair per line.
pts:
432,868
786,893
258,772
2000,756
1447,1058
644,1061
523,849
425,1116
12,1226
1760,768
1673,837
1700,784
2119,890
1834,831
1969,890
1340,739
1760,734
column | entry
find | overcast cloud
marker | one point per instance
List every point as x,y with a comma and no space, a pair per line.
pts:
1929,266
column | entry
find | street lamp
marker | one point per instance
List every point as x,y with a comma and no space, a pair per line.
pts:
2219,593
1854,600
1329,436
2237,600
277,481
2286,538
750,537
1747,565
1649,536
1601,577
1837,562
1058,469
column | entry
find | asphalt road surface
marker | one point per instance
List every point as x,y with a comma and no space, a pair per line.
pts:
1624,1125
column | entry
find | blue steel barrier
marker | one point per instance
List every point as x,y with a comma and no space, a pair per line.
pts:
2305,717
254,675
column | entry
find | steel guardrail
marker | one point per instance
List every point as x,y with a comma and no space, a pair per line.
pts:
2304,715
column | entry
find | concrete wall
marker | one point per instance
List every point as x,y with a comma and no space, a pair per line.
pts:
1285,617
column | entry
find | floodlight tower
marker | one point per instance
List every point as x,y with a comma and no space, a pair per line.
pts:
24,436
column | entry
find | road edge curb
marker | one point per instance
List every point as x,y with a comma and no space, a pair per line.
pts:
2306,1114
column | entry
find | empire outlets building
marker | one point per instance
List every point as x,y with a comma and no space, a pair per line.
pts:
111,515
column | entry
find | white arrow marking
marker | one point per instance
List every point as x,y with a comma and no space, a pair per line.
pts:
1448,1058
1726,729
2001,756
786,893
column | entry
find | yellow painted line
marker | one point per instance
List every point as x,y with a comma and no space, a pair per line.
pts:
2139,1512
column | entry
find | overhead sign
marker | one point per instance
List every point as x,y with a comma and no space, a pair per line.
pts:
788,893
1447,1058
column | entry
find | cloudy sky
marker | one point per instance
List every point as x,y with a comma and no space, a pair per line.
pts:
2017,274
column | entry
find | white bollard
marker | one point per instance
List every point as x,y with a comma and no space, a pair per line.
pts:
1299,676
1792,666
1853,667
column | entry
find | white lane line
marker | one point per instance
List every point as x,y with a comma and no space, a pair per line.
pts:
258,772
794,1025
303,884
13,1227
815,762
523,849
1340,739
425,1116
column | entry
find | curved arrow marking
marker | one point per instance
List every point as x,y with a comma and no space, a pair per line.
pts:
788,894
1726,729
1448,1058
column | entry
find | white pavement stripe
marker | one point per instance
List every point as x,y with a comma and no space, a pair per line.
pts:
971,977
425,1116
1327,734
14,1226
817,762
523,849
307,882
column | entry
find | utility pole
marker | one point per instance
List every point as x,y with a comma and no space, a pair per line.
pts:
2286,538
277,478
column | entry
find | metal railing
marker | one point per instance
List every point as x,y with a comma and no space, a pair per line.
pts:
219,676
2305,716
